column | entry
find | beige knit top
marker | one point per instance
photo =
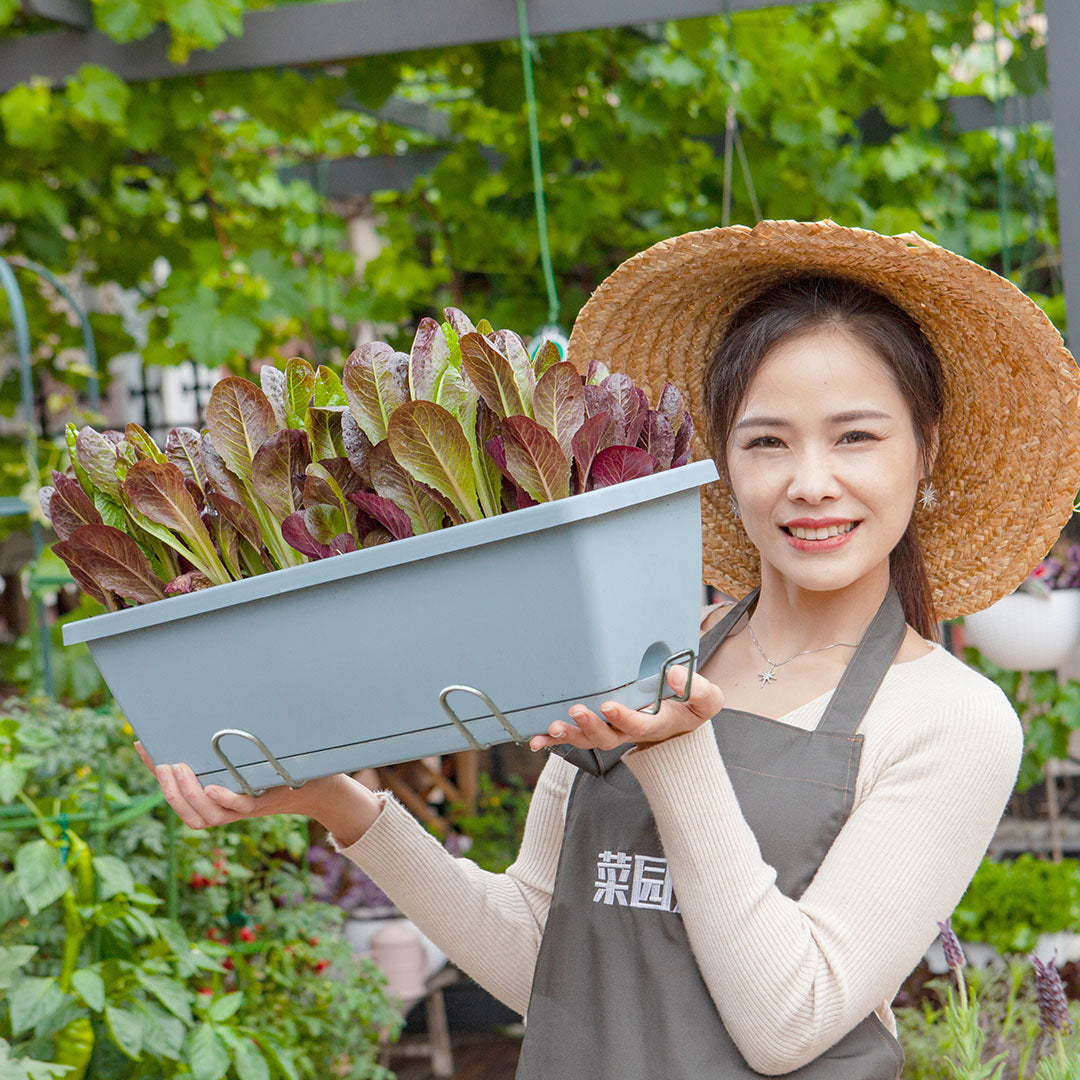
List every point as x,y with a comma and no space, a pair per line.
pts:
789,977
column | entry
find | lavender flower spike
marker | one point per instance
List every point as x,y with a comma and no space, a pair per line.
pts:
954,954
1053,1005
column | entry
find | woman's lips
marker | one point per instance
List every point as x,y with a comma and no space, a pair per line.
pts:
827,543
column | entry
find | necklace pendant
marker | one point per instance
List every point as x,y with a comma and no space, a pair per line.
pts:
767,677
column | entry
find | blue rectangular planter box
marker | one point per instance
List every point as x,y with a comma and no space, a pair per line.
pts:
340,664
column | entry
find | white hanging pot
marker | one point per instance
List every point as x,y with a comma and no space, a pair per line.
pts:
1025,632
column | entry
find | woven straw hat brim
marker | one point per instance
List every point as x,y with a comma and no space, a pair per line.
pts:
1008,469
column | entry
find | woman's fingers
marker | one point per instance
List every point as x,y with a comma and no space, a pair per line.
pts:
706,699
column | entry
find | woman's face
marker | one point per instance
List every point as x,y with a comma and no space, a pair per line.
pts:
824,462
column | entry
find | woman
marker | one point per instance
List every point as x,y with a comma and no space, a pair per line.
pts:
738,885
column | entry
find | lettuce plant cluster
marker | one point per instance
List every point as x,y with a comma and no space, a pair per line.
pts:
466,425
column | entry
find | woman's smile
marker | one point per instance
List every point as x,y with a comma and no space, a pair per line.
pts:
827,534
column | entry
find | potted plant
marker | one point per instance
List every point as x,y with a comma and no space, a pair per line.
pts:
1036,628
287,597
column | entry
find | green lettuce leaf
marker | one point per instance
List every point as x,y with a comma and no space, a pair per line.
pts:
240,419
429,360
428,442
392,482
376,382
492,375
299,390
97,457
144,446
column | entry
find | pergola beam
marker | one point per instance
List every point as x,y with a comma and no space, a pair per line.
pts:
1062,48
69,12
323,33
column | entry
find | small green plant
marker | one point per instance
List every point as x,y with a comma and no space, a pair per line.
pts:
1010,903
252,981
1049,710
495,829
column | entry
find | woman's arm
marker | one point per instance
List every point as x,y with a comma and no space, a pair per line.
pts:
489,924
791,977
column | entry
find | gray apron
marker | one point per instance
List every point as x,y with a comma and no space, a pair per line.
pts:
617,994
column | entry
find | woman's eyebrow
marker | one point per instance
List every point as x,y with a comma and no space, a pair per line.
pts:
837,418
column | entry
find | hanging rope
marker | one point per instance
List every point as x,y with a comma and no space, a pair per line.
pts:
999,135
527,49
733,137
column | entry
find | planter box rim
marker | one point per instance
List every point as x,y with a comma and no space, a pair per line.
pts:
444,541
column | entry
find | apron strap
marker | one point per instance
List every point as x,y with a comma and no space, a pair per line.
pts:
598,762
865,671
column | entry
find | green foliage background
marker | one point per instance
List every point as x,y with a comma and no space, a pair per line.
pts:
841,108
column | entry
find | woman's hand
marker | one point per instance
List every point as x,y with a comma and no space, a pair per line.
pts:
621,724
342,805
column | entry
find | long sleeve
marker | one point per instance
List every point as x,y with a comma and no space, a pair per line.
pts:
791,977
490,925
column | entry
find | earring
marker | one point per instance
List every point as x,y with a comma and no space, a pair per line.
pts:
734,507
928,497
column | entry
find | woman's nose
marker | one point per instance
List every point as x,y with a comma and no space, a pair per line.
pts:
813,478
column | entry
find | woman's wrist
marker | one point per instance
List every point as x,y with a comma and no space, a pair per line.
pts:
341,805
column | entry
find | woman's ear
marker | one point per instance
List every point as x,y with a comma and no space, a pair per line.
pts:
930,450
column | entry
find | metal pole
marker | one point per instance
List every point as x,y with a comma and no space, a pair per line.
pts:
1062,45
26,379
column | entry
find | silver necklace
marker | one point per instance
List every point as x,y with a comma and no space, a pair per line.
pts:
769,675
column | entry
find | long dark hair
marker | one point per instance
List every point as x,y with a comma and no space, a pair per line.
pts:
797,305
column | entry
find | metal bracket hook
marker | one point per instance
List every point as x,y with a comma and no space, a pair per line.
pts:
690,658
495,711
278,767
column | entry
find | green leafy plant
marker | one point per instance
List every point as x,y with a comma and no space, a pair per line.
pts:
494,829
251,981
1048,707
468,425
1009,903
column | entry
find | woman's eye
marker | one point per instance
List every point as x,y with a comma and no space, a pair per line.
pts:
766,441
857,436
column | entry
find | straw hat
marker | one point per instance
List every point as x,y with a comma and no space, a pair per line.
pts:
1009,466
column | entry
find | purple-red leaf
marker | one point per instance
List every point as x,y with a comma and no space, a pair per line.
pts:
182,449
586,445
278,463
598,371
671,405
384,511
217,472
158,491
145,447
342,543
598,400
70,507
559,403
239,517
73,555
459,321
683,438
392,482
619,463
192,581
357,446
658,439
115,562
535,459
295,533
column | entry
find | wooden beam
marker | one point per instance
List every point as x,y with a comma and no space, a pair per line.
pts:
322,33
